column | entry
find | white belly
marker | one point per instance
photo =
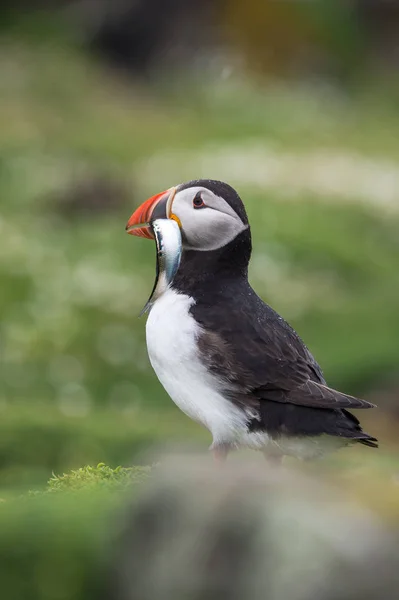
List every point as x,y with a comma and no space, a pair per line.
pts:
171,342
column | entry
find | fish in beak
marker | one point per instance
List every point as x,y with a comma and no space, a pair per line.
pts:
166,233
154,220
157,207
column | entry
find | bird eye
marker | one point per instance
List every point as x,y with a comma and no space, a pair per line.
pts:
198,201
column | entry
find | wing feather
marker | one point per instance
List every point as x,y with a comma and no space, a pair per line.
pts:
314,394
261,357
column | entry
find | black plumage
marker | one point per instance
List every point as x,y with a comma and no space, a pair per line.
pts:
263,363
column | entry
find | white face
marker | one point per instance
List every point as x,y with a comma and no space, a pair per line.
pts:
208,221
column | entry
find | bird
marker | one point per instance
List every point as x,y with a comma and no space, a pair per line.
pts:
226,358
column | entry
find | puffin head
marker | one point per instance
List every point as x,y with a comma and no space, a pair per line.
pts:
210,214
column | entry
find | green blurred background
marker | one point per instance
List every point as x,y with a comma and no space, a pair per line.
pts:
104,104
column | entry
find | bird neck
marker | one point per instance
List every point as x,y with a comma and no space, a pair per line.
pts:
198,270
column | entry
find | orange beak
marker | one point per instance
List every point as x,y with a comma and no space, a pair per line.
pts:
157,207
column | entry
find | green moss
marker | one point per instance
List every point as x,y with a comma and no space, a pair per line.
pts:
98,477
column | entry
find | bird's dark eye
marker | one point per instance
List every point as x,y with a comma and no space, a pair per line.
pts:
198,201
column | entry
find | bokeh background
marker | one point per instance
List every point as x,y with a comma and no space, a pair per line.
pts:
295,103
103,103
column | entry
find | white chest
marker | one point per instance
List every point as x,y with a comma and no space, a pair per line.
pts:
172,334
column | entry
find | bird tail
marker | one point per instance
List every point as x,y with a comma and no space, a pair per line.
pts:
357,433
369,441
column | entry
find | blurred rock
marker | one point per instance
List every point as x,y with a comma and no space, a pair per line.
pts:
204,533
141,35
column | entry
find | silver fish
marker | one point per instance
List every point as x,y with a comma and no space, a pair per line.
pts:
169,249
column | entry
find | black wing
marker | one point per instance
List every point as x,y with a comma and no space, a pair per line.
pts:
252,348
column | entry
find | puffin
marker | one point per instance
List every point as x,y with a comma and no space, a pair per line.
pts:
226,358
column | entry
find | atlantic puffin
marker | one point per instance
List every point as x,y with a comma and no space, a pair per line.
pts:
224,356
